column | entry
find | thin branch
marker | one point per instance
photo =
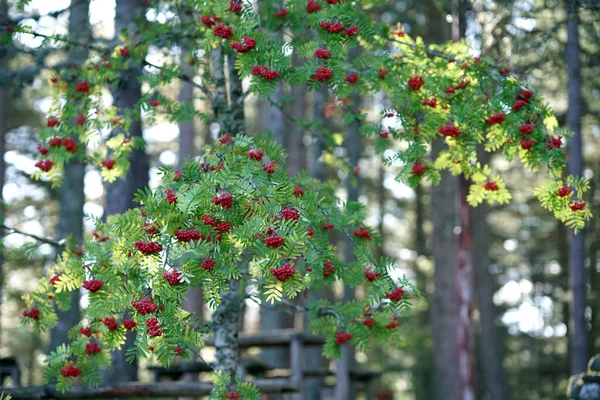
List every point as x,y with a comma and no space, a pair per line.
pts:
50,241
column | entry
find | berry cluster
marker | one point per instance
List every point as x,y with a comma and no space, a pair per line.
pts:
298,191
110,323
80,120
93,285
393,324
282,13
226,32
337,27
148,248
268,74
283,273
312,6
415,82
323,74
491,186
245,45
208,264
82,86
170,196
144,306
418,168
327,227
310,231
495,119
578,206
430,102
564,191
395,295
554,142
383,73
223,227
368,322
227,138
152,230
362,232
178,351
256,155
42,149
235,6
224,200
69,144
208,220
526,144
322,53
32,313
109,164
233,395
92,348
173,277
178,175
153,327
342,337
52,122
70,371
55,141
129,324
526,129
54,279
449,131
274,241
85,331
328,268
351,78
44,165
371,275
290,214
269,168
187,236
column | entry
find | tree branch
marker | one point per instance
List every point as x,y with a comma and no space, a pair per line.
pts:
50,241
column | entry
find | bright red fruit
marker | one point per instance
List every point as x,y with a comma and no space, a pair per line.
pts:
371,275
80,120
208,264
564,191
368,322
170,196
283,273
44,165
124,52
290,214
418,168
172,277
323,74
312,6
153,327
495,119
328,268
416,82
93,285
224,200
395,295
210,20
270,168
526,129
322,53
342,337
351,78
362,232
148,248
526,144
274,241
449,131
282,13
109,164
226,32
144,306
85,331
554,142
110,323
129,324
32,313
578,206
52,122
83,87
491,186
187,236
70,371
92,348
256,155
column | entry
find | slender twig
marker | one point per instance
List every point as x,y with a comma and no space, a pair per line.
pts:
50,241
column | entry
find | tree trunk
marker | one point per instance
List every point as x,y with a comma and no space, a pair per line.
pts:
344,389
490,347
119,194
578,347
71,194
444,310
3,133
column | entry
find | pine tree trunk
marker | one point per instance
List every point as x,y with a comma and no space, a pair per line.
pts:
119,194
71,194
3,133
578,346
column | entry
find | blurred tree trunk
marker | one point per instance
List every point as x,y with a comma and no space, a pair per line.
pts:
3,133
578,346
344,389
119,195
495,382
71,196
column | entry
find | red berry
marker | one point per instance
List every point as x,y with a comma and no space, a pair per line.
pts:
322,53
170,196
210,21
70,371
109,164
327,227
526,129
85,331
505,71
235,6
290,214
368,322
148,248
449,131
232,395
153,103
144,306
83,87
525,95
371,275
342,337
416,82
129,324
92,348
351,31
52,122
256,155
393,324
526,144
491,186
283,273
93,285
270,168
382,73
224,200
153,327
362,232
578,206
328,268
312,6
298,191
282,13
208,264
274,241
32,313
554,143
395,295
124,52
172,277
495,119
564,191
518,105
418,168
450,89
226,32
69,144
323,74
54,279
110,323
80,120
351,78
42,149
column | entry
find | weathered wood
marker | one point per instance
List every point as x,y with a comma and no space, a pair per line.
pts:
139,390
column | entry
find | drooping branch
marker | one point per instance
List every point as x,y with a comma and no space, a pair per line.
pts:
50,241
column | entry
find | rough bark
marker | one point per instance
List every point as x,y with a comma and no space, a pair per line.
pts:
119,195
71,194
578,346
344,389
444,311
495,382
3,133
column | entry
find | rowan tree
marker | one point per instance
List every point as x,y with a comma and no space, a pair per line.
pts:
232,221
